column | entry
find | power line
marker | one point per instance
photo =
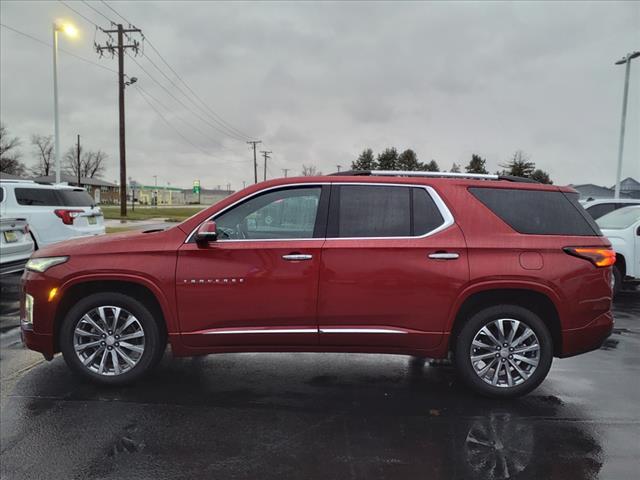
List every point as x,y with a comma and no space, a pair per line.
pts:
114,11
59,49
235,131
98,12
78,13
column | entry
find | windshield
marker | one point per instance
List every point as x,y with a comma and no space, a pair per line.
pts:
619,219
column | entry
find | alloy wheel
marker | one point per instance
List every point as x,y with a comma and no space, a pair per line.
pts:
505,352
109,340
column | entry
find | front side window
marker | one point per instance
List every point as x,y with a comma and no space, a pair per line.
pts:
282,214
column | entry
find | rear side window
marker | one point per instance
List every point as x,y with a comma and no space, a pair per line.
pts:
49,197
538,212
43,197
362,211
1,194
75,198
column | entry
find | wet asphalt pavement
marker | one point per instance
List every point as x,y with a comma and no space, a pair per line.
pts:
324,416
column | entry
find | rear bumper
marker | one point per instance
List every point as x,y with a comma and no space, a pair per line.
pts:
39,342
588,338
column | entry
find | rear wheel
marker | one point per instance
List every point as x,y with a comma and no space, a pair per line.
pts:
503,351
110,338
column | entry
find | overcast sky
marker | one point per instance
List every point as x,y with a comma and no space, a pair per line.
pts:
318,82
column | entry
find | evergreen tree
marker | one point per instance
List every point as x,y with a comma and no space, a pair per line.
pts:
366,161
408,160
476,165
388,160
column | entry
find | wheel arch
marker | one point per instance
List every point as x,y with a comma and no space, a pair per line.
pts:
621,264
533,300
131,288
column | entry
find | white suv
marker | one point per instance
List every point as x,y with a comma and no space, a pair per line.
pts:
54,212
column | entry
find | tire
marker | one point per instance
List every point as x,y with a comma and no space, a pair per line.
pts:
522,377
616,280
108,365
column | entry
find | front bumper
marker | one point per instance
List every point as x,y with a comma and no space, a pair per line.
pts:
588,338
40,342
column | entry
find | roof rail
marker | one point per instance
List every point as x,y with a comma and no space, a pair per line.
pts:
406,173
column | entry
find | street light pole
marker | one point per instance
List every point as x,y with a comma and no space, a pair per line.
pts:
71,31
626,60
56,121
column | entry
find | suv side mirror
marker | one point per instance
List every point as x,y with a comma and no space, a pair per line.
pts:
207,232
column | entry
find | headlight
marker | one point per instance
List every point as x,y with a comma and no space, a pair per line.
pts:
43,264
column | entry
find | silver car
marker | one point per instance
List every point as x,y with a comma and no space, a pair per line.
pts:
16,245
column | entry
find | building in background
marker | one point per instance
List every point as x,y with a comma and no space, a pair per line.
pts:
157,195
629,188
207,196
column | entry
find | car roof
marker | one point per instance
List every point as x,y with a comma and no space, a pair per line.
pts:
598,201
32,184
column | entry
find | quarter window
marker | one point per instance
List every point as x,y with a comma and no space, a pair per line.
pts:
282,214
360,211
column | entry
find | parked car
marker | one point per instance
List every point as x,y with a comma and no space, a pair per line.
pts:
602,206
622,228
54,212
16,245
502,274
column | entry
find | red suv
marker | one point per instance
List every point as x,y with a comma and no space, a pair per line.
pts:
501,273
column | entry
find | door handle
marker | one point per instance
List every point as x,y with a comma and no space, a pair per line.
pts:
292,257
444,256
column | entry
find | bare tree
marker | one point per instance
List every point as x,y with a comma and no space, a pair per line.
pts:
91,162
43,150
9,154
310,171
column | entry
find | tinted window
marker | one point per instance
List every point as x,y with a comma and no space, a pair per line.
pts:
372,211
538,211
37,196
601,209
621,218
426,216
282,214
75,198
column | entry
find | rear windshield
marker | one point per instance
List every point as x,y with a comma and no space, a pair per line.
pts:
538,212
49,197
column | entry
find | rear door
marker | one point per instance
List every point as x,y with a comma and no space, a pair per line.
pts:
258,283
392,265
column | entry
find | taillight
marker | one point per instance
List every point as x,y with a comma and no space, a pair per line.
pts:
67,216
599,256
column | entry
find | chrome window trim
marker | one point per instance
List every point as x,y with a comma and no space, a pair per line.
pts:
447,216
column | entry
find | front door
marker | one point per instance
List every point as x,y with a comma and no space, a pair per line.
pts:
392,265
258,283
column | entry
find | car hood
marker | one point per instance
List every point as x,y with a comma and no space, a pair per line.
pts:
115,243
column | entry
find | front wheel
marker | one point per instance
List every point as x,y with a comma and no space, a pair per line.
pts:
503,351
110,338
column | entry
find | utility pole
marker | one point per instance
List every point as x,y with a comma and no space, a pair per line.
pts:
255,160
266,156
286,171
78,159
155,179
339,167
625,60
119,50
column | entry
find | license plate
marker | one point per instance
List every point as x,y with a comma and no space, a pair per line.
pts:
92,220
10,236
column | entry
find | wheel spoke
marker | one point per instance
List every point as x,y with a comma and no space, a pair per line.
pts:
482,356
116,314
103,361
125,357
500,324
521,372
103,317
530,348
131,336
486,368
83,346
479,344
515,325
496,374
84,333
491,336
131,347
129,321
90,358
527,333
509,377
530,361
89,320
115,361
